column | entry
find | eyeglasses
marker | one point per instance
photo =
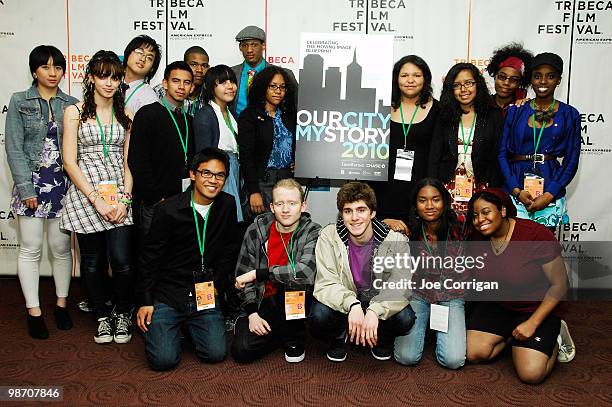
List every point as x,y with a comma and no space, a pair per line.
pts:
219,176
290,204
465,85
194,65
274,87
141,53
503,78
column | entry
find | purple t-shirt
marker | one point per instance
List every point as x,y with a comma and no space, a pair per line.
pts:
359,261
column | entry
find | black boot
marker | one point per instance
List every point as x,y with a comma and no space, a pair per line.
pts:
62,319
37,328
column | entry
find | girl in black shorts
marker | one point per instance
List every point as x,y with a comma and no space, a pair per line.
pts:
525,258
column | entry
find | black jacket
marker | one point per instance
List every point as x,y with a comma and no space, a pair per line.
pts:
156,158
170,253
443,154
206,128
255,139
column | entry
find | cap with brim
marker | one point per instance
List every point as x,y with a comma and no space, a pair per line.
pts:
548,58
251,32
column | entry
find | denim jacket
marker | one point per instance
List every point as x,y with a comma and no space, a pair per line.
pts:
26,128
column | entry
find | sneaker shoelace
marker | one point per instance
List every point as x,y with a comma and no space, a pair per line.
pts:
564,345
123,323
104,327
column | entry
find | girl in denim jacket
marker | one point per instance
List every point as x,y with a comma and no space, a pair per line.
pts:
33,138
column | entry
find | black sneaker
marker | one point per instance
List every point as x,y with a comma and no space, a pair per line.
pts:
294,352
37,327
381,352
123,327
337,349
105,331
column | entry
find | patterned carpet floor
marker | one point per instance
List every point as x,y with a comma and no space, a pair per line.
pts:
117,375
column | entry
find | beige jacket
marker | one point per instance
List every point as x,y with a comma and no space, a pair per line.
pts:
334,284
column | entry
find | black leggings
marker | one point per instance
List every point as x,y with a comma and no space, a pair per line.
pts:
95,248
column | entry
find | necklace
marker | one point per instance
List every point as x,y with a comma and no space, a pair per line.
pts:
543,114
497,249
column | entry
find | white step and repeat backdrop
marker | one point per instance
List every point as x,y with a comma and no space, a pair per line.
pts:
443,32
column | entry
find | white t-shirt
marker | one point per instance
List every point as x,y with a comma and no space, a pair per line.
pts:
202,209
227,140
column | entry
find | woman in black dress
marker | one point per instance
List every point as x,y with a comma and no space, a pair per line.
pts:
413,116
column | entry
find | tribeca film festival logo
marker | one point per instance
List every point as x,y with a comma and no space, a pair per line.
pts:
371,16
78,65
7,241
586,21
591,140
178,13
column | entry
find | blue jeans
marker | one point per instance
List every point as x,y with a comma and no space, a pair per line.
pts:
163,340
450,346
327,324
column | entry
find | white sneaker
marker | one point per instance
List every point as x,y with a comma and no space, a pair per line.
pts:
567,349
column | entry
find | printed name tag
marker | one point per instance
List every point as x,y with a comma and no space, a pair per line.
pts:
438,318
404,160
108,191
205,295
534,184
464,188
185,183
295,305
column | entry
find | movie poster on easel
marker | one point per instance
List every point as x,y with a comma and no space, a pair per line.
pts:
344,106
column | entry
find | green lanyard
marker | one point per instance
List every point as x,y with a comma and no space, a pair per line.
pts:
186,140
429,249
202,236
103,134
289,250
230,126
407,130
536,144
467,145
132,94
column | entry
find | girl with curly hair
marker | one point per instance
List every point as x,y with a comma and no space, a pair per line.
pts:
508,66
466,137
97,206
267,135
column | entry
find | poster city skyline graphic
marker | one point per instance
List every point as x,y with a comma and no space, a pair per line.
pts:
343,106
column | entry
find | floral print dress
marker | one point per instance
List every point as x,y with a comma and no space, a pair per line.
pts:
49,181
